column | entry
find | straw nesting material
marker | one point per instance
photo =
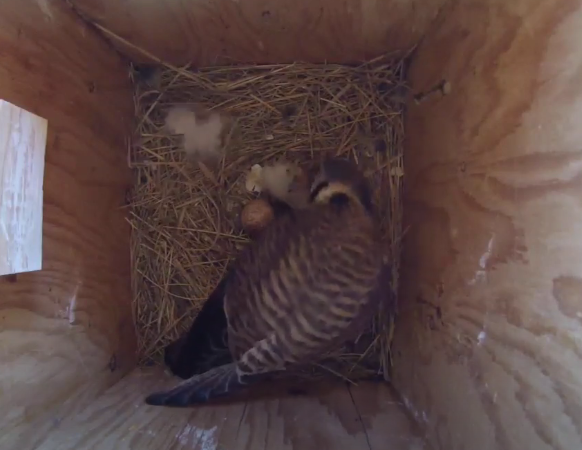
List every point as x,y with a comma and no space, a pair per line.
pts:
185,216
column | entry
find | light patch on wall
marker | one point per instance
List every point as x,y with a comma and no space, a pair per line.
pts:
22,152
46,9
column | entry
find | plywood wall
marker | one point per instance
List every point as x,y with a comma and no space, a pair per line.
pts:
66,331
22,154
211,32
489,345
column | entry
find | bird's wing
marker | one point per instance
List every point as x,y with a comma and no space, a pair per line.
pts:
205,345
254,265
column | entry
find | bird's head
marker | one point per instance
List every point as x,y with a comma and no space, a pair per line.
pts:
340,181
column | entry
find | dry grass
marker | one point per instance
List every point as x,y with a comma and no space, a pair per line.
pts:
185,220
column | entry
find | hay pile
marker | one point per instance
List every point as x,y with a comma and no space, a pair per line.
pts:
185,219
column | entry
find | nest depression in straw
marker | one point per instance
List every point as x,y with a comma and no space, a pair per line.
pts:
185,217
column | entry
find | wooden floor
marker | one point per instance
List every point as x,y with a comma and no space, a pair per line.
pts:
365,417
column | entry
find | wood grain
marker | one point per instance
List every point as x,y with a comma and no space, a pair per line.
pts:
22,151
384,417
323,418
264,31
488,348
66,332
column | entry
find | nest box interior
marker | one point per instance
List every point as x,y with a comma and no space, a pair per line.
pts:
486,352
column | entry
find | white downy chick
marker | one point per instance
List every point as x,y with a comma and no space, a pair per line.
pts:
277,179
282,180
254,180
203,131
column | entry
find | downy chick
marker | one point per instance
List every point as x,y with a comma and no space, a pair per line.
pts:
310,282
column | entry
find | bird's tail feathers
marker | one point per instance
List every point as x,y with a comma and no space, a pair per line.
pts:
215,383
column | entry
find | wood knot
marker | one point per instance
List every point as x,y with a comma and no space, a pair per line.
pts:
12,278
112,363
